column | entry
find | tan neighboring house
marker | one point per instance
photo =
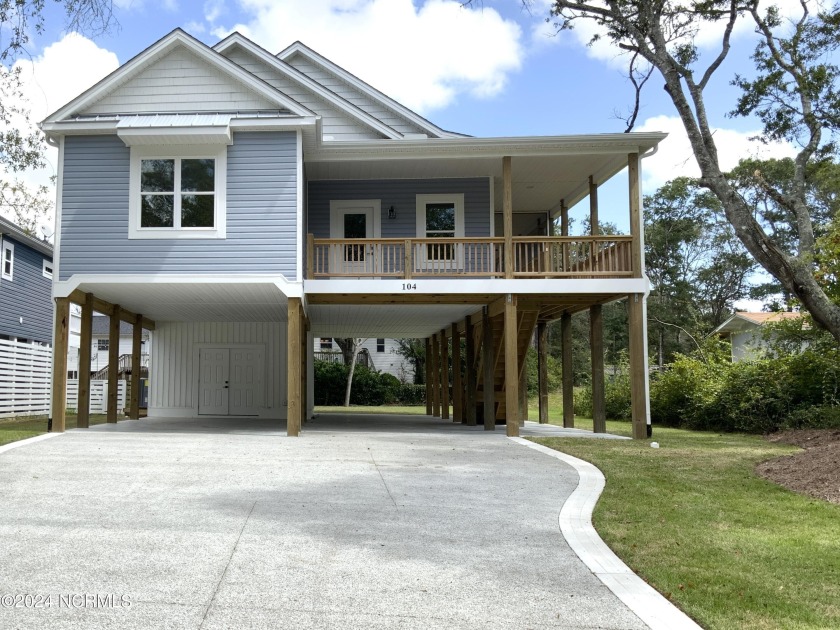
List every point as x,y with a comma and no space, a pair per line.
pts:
744,331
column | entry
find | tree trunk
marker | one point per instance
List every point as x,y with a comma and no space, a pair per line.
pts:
354,353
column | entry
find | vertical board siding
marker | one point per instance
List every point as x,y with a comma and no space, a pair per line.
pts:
402,194
353,95
261,213
26,296
177,83
173,362
334,122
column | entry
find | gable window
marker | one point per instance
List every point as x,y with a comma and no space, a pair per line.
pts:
7,260
177,193
101,345
440,217
47,269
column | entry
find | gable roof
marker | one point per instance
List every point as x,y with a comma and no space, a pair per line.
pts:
740,322
289,71
158,50
385,100
7,227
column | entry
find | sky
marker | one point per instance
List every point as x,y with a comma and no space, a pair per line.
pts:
495,69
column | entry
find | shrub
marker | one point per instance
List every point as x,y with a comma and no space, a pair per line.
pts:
616,397
533,371
369,387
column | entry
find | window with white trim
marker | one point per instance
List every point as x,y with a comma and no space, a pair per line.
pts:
101,345
380,345
440,217
47,269
7,260
177,193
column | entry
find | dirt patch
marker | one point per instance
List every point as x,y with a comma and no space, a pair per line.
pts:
815,471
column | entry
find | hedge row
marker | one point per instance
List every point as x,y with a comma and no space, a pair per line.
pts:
369,387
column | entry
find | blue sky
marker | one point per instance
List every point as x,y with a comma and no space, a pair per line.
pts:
493,70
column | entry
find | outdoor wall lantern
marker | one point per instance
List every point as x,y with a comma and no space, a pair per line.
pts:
392,214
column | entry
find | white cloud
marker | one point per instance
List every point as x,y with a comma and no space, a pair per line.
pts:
424,56
64,70
675,157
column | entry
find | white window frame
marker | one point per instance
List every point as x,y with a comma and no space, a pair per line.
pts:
47,269
10,247
214,152
457,199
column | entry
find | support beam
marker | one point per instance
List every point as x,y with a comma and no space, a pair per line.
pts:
566,366
542,360
564,231
85,342
457,383
59,366
507,213
136,343
523,393
428,365
106,308
435,376
635,193
488,362
113,364
294,410
469,332
596,347
638,366
511,368
444,376
304,371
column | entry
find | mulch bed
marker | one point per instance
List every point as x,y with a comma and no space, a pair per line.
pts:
815,471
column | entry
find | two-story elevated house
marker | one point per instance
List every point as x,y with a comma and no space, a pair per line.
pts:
239,204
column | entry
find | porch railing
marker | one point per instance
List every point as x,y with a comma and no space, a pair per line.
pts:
533,256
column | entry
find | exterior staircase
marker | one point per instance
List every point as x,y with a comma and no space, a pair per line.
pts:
124,368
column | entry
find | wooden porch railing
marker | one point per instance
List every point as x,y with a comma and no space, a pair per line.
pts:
534,257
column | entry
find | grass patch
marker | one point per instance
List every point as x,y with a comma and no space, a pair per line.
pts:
14,429
731,549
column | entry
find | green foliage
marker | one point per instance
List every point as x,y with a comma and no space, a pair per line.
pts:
369,387
616,395
532,366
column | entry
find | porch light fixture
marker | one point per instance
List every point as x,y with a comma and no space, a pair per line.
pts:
392,214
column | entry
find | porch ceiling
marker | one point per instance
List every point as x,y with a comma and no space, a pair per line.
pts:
385,320
206,302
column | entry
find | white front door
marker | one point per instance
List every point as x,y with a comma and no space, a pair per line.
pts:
214,381
231,381
351,220
246,381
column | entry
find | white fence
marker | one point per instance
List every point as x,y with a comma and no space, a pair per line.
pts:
25,375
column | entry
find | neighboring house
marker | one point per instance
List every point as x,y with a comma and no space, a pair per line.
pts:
744,331
382,352
26,271
240,204
100,343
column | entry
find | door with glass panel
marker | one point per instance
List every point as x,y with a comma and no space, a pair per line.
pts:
352,222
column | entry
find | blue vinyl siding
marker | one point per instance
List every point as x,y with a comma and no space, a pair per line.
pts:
261,213
400,193
27,295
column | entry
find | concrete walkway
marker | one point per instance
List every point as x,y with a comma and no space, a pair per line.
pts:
362,522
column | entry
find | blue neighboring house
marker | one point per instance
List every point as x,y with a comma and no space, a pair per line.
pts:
26,268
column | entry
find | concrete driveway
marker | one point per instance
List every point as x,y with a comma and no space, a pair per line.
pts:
362,522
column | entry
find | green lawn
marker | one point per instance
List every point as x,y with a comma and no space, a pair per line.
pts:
13,429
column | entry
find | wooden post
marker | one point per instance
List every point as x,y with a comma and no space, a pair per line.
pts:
407,265
136,342
113,365
564,231
542,360
310,256
568,375
457,384
596,331
435,377
507,214
469,332
523,393
444,376
638,366
294,408
511,368
596,347
635,213
488,361
304,371
59,366
428,365
85,341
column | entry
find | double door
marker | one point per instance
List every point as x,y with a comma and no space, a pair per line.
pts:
231,381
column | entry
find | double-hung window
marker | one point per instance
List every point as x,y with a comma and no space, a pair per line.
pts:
177,194
440,217
7,260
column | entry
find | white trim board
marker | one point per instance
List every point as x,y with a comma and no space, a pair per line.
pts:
576,525
27,441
